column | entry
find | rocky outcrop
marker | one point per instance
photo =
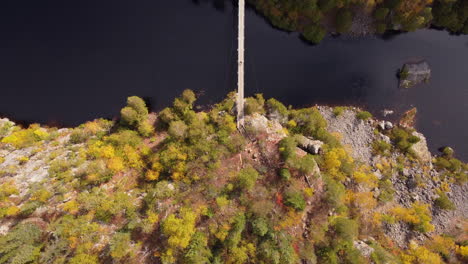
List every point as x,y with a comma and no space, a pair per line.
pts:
256,124
311,146
355,133
449,221
385,125
365,249
420,149
414,73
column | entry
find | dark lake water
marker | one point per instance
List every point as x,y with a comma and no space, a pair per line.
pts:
65,62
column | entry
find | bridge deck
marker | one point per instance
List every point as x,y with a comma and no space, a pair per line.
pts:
240,64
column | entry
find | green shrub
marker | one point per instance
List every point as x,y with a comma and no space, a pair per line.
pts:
137,104
346,229
198,250
246,178
235,234
5,128
285,174
21,245
123,138
167,116
310,122
381,147
78,136
402,139
386,190
254,104
304,165
344,19
314,33
135,116
22,138
335,193
120,246
277,109
260,226
189,96
129,116
287,148
381,13
443,202
363,115
338,110
83,258
177,129
295,199
380,255
448,152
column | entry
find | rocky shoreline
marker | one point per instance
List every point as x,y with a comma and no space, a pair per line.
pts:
414,179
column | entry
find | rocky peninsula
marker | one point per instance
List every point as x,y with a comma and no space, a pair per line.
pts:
311,185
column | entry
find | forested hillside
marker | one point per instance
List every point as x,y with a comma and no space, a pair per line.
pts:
314,18
312,185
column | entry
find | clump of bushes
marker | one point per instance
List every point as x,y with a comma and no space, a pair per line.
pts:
260,226
335,193
363,115
403,139
22,138
135,115
295,199
418,216
246,178
345,228
254,105
382,148
21,245
338,110
285,174
276,110
453,167
443,202
314,33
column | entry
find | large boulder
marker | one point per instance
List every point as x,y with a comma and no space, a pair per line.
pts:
257,125
420,148
414,73
311,146
365,249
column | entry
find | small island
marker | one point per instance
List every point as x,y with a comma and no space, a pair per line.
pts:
412,74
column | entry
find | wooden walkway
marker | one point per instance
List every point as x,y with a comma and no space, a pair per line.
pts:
240,65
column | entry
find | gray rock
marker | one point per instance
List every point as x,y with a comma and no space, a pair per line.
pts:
387,112
411,183
311,146
381,125
406,172
388,125
421,150
365,249
257,124
385,138
276,116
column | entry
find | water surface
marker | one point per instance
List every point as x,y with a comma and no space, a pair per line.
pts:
67,62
